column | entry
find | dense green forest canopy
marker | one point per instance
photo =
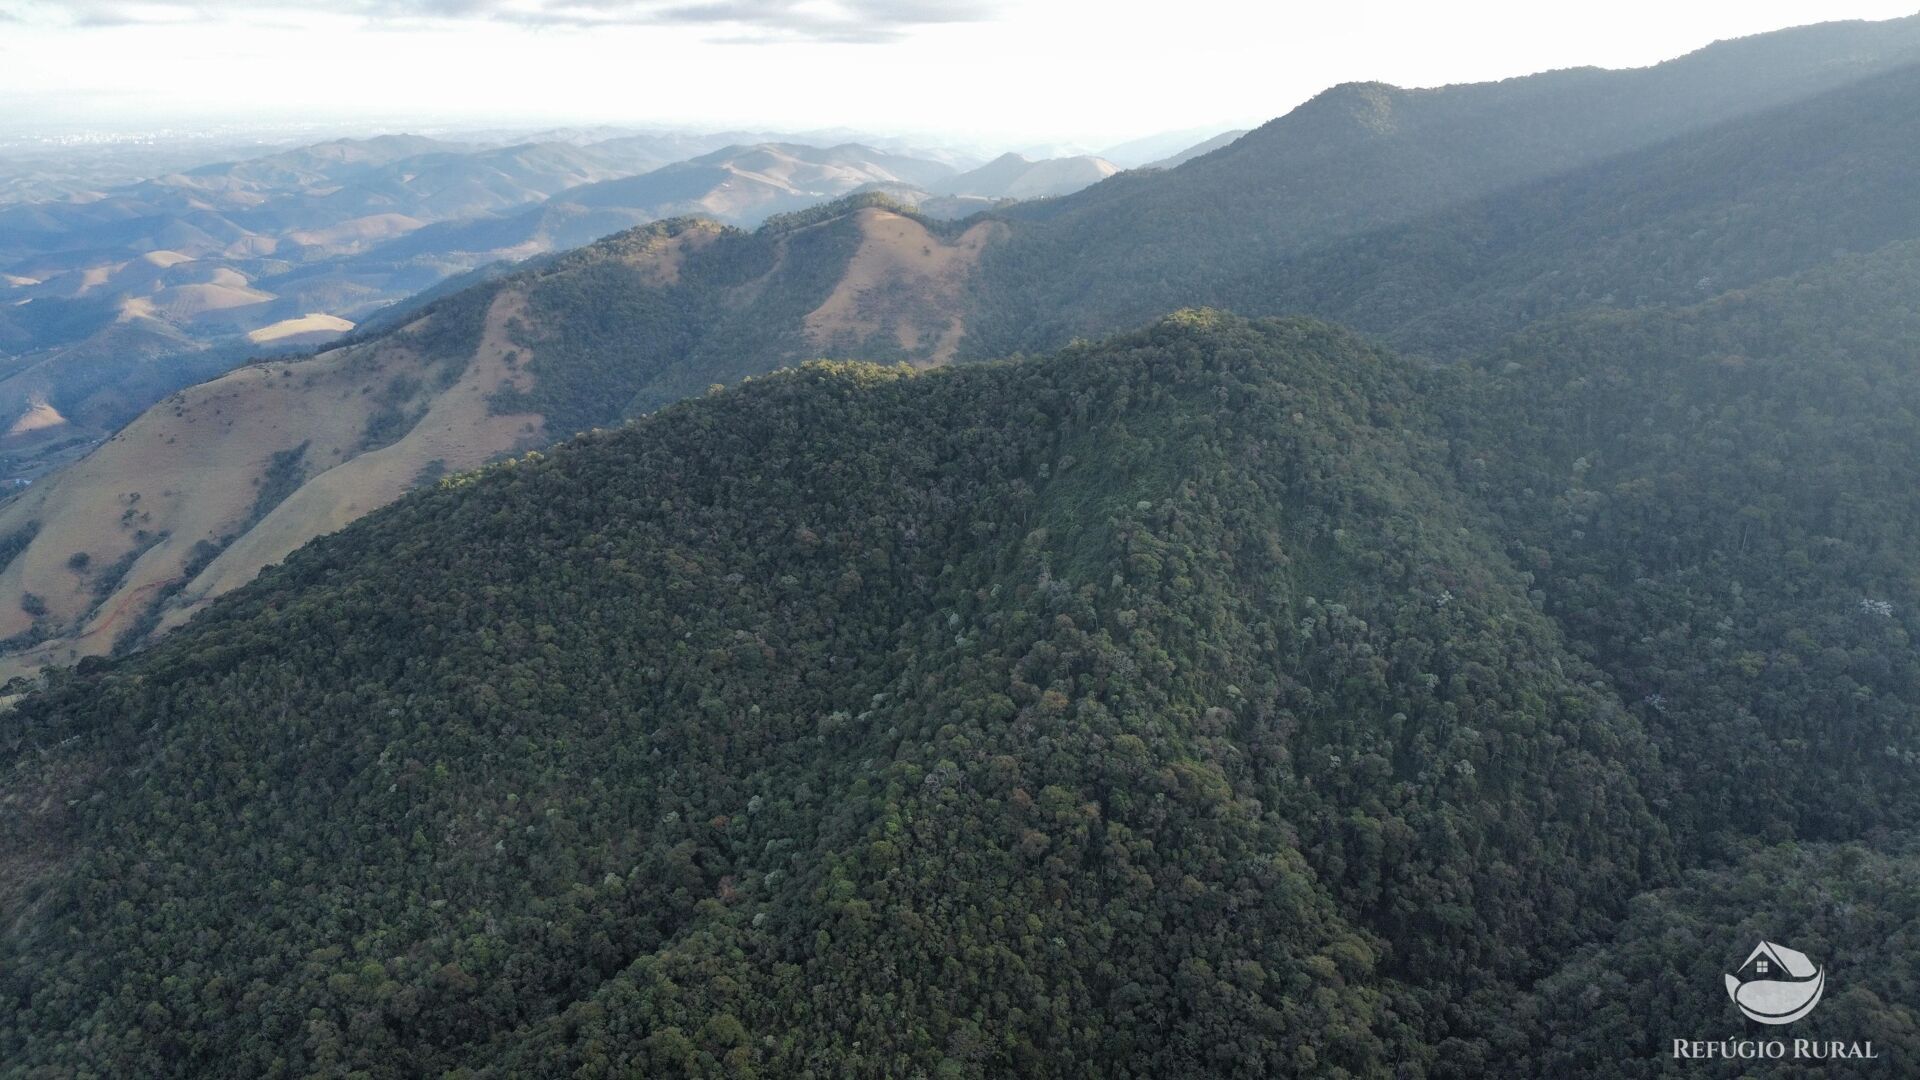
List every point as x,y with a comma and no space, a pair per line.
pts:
1114,714
1231,698
1224,698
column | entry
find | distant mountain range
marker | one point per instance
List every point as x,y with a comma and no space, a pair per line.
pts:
1205,146
108,303
1154,149
1555,188
1012,176
1460,694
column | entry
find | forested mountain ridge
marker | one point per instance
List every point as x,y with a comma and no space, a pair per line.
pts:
229,476
1325,211
1316,190
110,302
1152,708
1741,202
1224,698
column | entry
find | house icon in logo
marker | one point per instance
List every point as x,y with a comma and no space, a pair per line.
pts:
1776,985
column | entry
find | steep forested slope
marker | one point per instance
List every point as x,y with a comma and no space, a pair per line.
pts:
1716,505
1362,157
1748,200
1615,1010
1440,220
1719,503
1684,219
1154,709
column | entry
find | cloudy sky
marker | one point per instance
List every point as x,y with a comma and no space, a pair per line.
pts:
1087,71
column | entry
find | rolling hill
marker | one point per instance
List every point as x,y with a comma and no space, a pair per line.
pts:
116,301
1780,190
1012,176
226,477
1220,698
747,184
1253,694
109,304
1107,629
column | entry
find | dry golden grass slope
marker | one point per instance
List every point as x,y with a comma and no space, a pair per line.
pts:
458,432
39,416
904,283
314,326
190,469
166,515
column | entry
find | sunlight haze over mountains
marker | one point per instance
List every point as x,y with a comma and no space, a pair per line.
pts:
959,539
1088,71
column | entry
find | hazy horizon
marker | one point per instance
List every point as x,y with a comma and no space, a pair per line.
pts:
958,72
1418,590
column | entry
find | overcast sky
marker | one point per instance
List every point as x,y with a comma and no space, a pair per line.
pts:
1086,71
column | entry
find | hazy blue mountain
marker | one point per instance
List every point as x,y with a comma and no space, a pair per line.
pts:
747,184
1218,698
1012,176
1135,153
1739,201
1205,146
1364,157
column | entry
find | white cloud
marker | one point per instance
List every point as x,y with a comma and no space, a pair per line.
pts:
1024,73
847,21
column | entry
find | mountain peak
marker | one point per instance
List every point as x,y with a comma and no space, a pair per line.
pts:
1366,106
